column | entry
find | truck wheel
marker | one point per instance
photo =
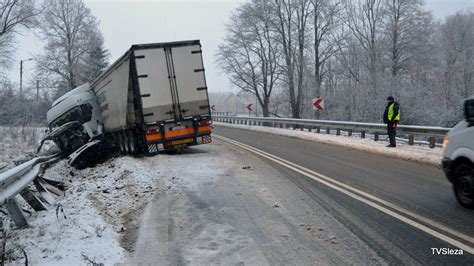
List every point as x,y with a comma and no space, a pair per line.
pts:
125,142
121,142
132,142
464,185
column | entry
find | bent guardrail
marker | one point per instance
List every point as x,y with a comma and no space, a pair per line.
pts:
351,127
16,181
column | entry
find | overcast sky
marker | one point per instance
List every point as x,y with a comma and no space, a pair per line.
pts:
124,23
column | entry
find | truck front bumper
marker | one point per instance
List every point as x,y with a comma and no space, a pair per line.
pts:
446,164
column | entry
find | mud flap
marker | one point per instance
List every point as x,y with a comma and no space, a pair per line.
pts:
85,155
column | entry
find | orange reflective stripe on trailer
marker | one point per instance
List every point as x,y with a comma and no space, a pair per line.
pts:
204,129
153,137
179,132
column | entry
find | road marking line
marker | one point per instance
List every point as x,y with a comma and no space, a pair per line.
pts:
359,195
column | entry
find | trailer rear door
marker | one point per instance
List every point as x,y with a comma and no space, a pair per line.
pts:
190,80
154,83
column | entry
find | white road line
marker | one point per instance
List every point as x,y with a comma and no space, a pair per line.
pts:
364,197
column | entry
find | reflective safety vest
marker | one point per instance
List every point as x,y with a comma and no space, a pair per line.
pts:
390,113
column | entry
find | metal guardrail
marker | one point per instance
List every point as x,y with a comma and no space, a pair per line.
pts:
317,125
16,181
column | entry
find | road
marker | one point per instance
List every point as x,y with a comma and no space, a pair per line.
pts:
415,188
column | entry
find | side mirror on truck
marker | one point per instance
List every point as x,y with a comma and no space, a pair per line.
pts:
469,111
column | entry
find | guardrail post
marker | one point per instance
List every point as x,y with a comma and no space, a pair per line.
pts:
310,128
376,136
362,134
411,139
16,213
349,132
302,128
432,142
32,200
328,130
318,129
338,131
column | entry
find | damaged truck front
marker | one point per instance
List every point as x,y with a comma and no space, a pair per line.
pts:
74,119
152,98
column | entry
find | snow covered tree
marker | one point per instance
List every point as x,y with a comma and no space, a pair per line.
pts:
250,52
72,38
14,16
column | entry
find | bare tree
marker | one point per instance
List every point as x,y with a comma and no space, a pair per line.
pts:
363,18
325,24
291,22
14,15
250,53
71,33
456,46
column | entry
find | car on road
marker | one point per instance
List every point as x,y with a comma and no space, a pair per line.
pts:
458,157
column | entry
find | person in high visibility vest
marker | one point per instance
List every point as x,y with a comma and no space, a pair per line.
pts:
391,117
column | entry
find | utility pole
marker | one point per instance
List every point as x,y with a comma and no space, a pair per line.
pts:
21,80
37,90
21,77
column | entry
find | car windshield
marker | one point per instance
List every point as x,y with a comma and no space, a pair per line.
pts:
82,114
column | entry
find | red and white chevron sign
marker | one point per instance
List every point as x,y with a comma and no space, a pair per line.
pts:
318,104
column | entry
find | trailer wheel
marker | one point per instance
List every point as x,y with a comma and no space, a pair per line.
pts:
125,141
121,142
132,142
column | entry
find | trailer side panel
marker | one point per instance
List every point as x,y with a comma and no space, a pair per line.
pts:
112,94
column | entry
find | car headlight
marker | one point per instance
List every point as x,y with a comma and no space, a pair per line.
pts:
445,143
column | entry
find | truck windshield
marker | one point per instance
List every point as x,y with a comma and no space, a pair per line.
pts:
82,113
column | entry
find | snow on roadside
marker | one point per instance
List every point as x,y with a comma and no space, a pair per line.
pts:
94,221
18,144
416,153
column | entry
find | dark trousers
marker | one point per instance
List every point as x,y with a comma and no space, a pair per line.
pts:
392,132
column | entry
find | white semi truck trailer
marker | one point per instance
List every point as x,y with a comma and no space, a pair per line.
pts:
153,98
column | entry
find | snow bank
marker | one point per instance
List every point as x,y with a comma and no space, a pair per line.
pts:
415,153
18,144
94,221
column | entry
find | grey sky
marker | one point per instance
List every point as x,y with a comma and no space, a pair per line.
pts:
124,23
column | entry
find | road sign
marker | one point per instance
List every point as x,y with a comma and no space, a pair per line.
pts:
213,108
249,107
318,104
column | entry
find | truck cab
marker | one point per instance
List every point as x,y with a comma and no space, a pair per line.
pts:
75,119
458,157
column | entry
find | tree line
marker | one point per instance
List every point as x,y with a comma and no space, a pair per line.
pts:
353,54
73,54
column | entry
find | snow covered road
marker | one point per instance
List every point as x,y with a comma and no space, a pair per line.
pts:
213,204
222,206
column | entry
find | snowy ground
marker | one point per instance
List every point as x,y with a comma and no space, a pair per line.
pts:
94,219
18,144
98,220
204,204
218,205
417,153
